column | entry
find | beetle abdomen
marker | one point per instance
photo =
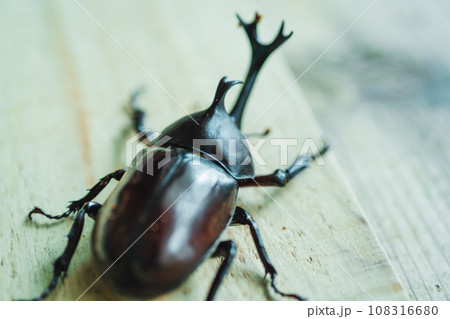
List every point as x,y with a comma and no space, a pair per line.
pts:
159,224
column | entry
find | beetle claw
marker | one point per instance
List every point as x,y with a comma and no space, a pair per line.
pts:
299,298
39,211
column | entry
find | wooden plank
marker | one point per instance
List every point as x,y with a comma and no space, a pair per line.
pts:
381,94
65,82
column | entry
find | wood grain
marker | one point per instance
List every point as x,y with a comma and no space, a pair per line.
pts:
381,95
64,86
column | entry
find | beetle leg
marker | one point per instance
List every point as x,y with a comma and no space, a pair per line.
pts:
260,135
260,52
78,204
242,217
61,264
138,119
282,177
225,249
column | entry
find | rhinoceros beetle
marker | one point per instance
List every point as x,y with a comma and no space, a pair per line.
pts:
155,229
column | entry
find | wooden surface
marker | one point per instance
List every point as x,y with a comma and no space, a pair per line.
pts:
381,95
63,89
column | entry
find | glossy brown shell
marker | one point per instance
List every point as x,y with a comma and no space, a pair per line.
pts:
222,139
171,218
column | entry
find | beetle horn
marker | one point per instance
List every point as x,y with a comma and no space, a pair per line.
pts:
221,91
260,52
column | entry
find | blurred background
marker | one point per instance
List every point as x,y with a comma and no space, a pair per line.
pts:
382,95
376,75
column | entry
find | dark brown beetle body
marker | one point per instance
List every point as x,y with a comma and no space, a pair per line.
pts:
181,209
179,225
162,221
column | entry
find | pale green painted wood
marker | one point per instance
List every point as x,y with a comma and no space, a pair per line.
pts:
64,86
381,95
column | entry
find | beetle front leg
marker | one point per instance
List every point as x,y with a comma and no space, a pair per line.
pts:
61,264
78,204
282,177
242,217
225,249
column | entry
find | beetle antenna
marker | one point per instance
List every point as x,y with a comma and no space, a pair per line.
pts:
282,293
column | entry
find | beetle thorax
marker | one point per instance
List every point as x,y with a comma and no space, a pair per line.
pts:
213,134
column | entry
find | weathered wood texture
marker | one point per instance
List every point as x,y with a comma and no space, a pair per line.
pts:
63,89
381,95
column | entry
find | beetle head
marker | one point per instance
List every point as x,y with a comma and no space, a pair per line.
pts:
214,135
